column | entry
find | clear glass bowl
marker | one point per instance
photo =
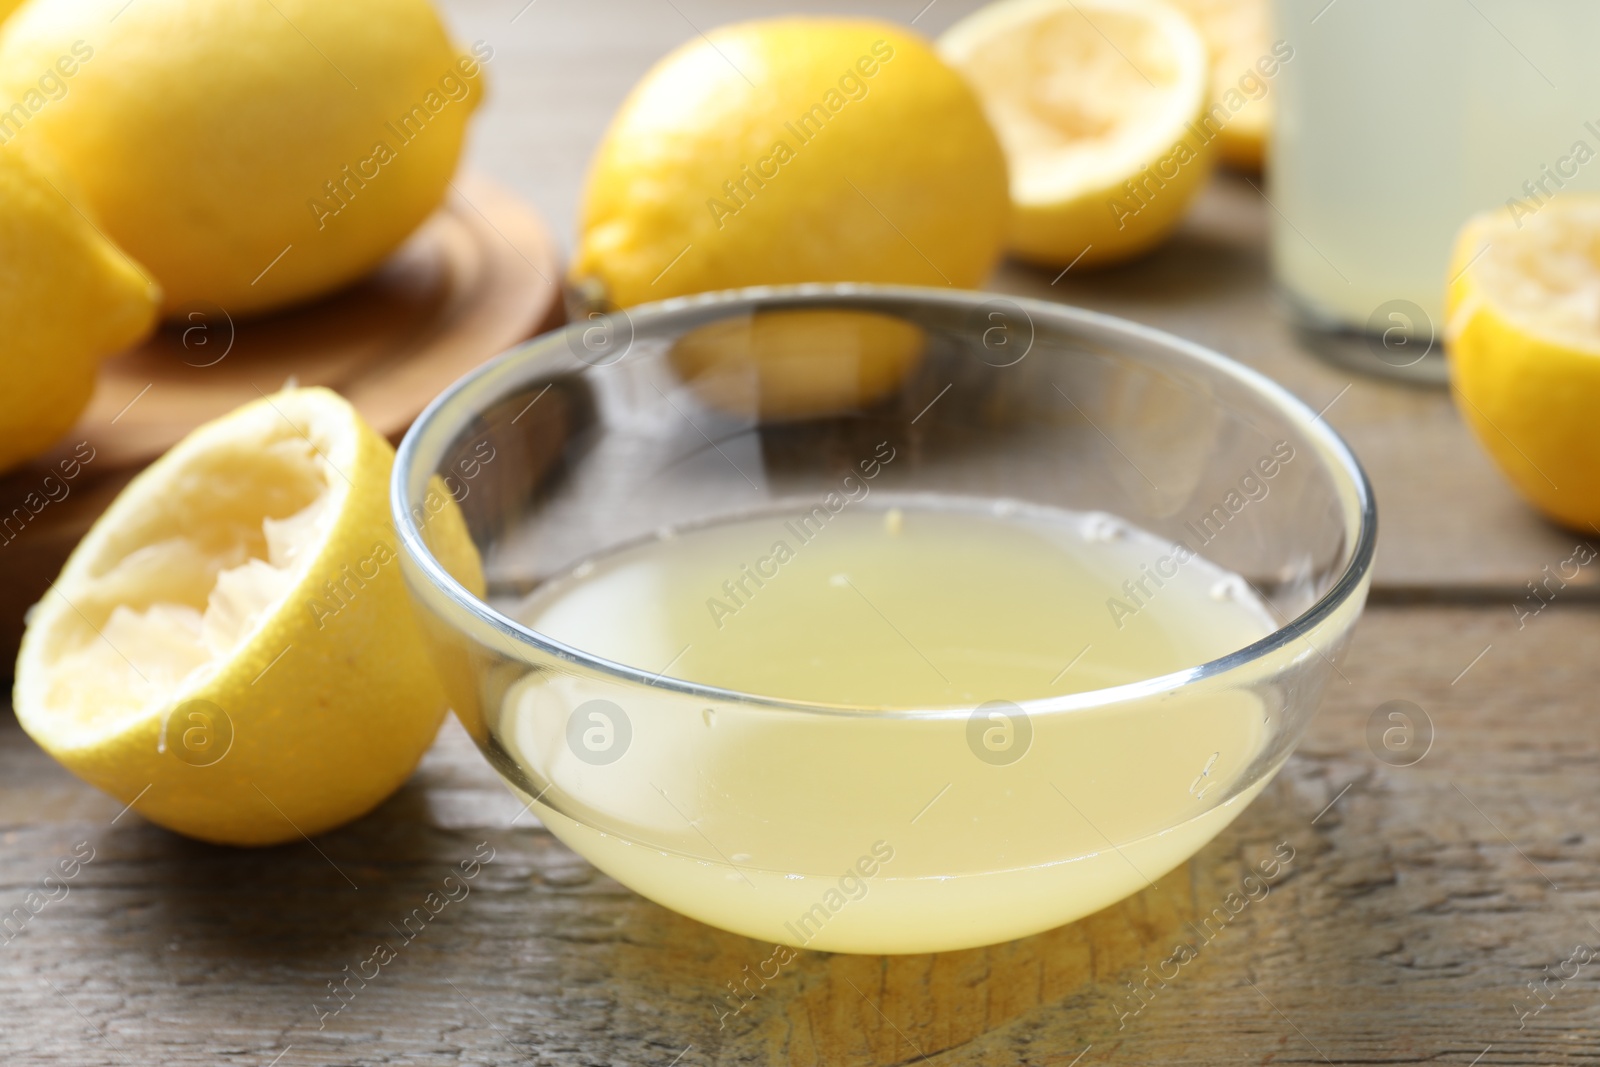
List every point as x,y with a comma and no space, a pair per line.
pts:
872,829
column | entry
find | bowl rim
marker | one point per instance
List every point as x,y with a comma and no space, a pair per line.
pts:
416,557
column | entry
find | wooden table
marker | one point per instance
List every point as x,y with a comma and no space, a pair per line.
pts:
1420,903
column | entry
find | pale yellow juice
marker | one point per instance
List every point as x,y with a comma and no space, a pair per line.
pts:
946,790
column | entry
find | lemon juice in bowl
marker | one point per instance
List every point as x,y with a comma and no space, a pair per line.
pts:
926,606
822,682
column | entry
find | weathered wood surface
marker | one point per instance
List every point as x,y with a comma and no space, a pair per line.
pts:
1419,903
1414,911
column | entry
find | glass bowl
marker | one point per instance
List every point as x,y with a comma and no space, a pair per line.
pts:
880,829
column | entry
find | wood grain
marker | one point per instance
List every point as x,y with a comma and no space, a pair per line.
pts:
1419,902
1414,910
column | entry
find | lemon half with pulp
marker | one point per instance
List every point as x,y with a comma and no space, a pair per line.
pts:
231,649
1243,62
1095,102
1523,336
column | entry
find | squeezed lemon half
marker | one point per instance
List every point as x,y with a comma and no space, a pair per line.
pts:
1523,332
231,648
1094,102
1238,34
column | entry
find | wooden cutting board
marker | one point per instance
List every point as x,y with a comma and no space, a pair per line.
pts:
479,276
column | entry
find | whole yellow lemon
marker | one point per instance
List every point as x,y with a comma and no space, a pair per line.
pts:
68,299
794,150
250,153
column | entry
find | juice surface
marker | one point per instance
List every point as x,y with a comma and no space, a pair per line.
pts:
978,820
905,607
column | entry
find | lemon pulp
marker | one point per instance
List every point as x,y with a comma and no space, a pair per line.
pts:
1094,103
1523,331
188,599
1545,273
